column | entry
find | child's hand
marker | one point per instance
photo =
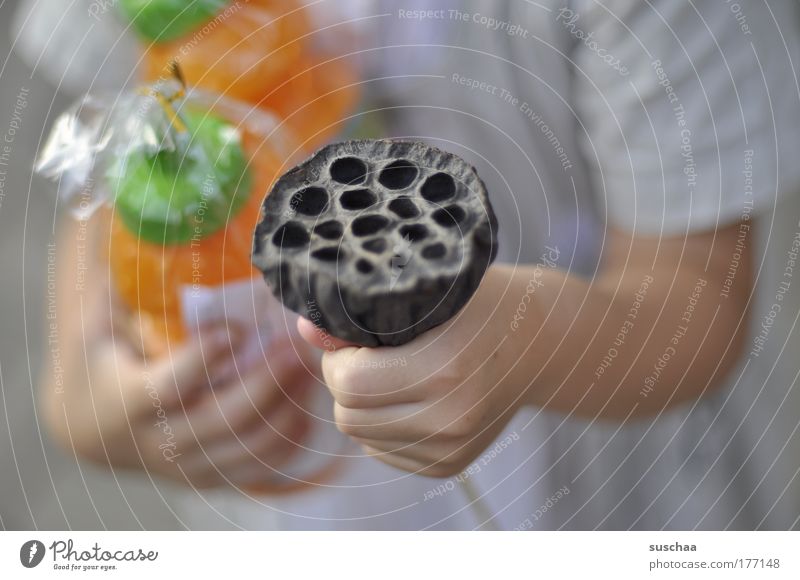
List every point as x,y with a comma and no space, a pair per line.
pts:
432,405
537,335
190,415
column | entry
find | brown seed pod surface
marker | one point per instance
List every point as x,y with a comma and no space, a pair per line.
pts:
376,241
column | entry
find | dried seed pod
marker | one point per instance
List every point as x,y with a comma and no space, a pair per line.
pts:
376,241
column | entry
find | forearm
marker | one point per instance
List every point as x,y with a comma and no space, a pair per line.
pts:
83,416
633,340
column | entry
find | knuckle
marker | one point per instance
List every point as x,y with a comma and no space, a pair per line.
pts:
345,422
454,372
329,368
459,427
337,375
444,384
348,386
348,429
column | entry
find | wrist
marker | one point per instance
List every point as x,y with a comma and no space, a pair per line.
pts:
516,323
530,329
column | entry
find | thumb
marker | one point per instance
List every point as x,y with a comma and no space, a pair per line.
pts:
319,337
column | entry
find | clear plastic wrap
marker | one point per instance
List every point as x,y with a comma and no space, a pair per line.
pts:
91,136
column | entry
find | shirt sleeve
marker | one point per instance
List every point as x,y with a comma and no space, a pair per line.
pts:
688,111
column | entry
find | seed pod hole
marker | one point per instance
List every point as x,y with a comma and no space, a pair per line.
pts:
290,235
310,201
404,208
368,225
414,232
356,199
434,251
438,187
376,246
330,230
329,254
364,266
399,174
449,216
349,170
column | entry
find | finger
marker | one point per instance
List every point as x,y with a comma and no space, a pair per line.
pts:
424,453
264,442
190,366
234,407
319,337
407,423
267,477
358,379
426,468
407,368
398,461
136,333
246,471
161,384
269,444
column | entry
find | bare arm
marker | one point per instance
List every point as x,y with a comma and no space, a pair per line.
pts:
650,331
653,329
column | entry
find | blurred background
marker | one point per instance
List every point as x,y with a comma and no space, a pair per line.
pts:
41,486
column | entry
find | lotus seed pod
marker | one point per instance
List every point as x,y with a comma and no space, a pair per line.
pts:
376,241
